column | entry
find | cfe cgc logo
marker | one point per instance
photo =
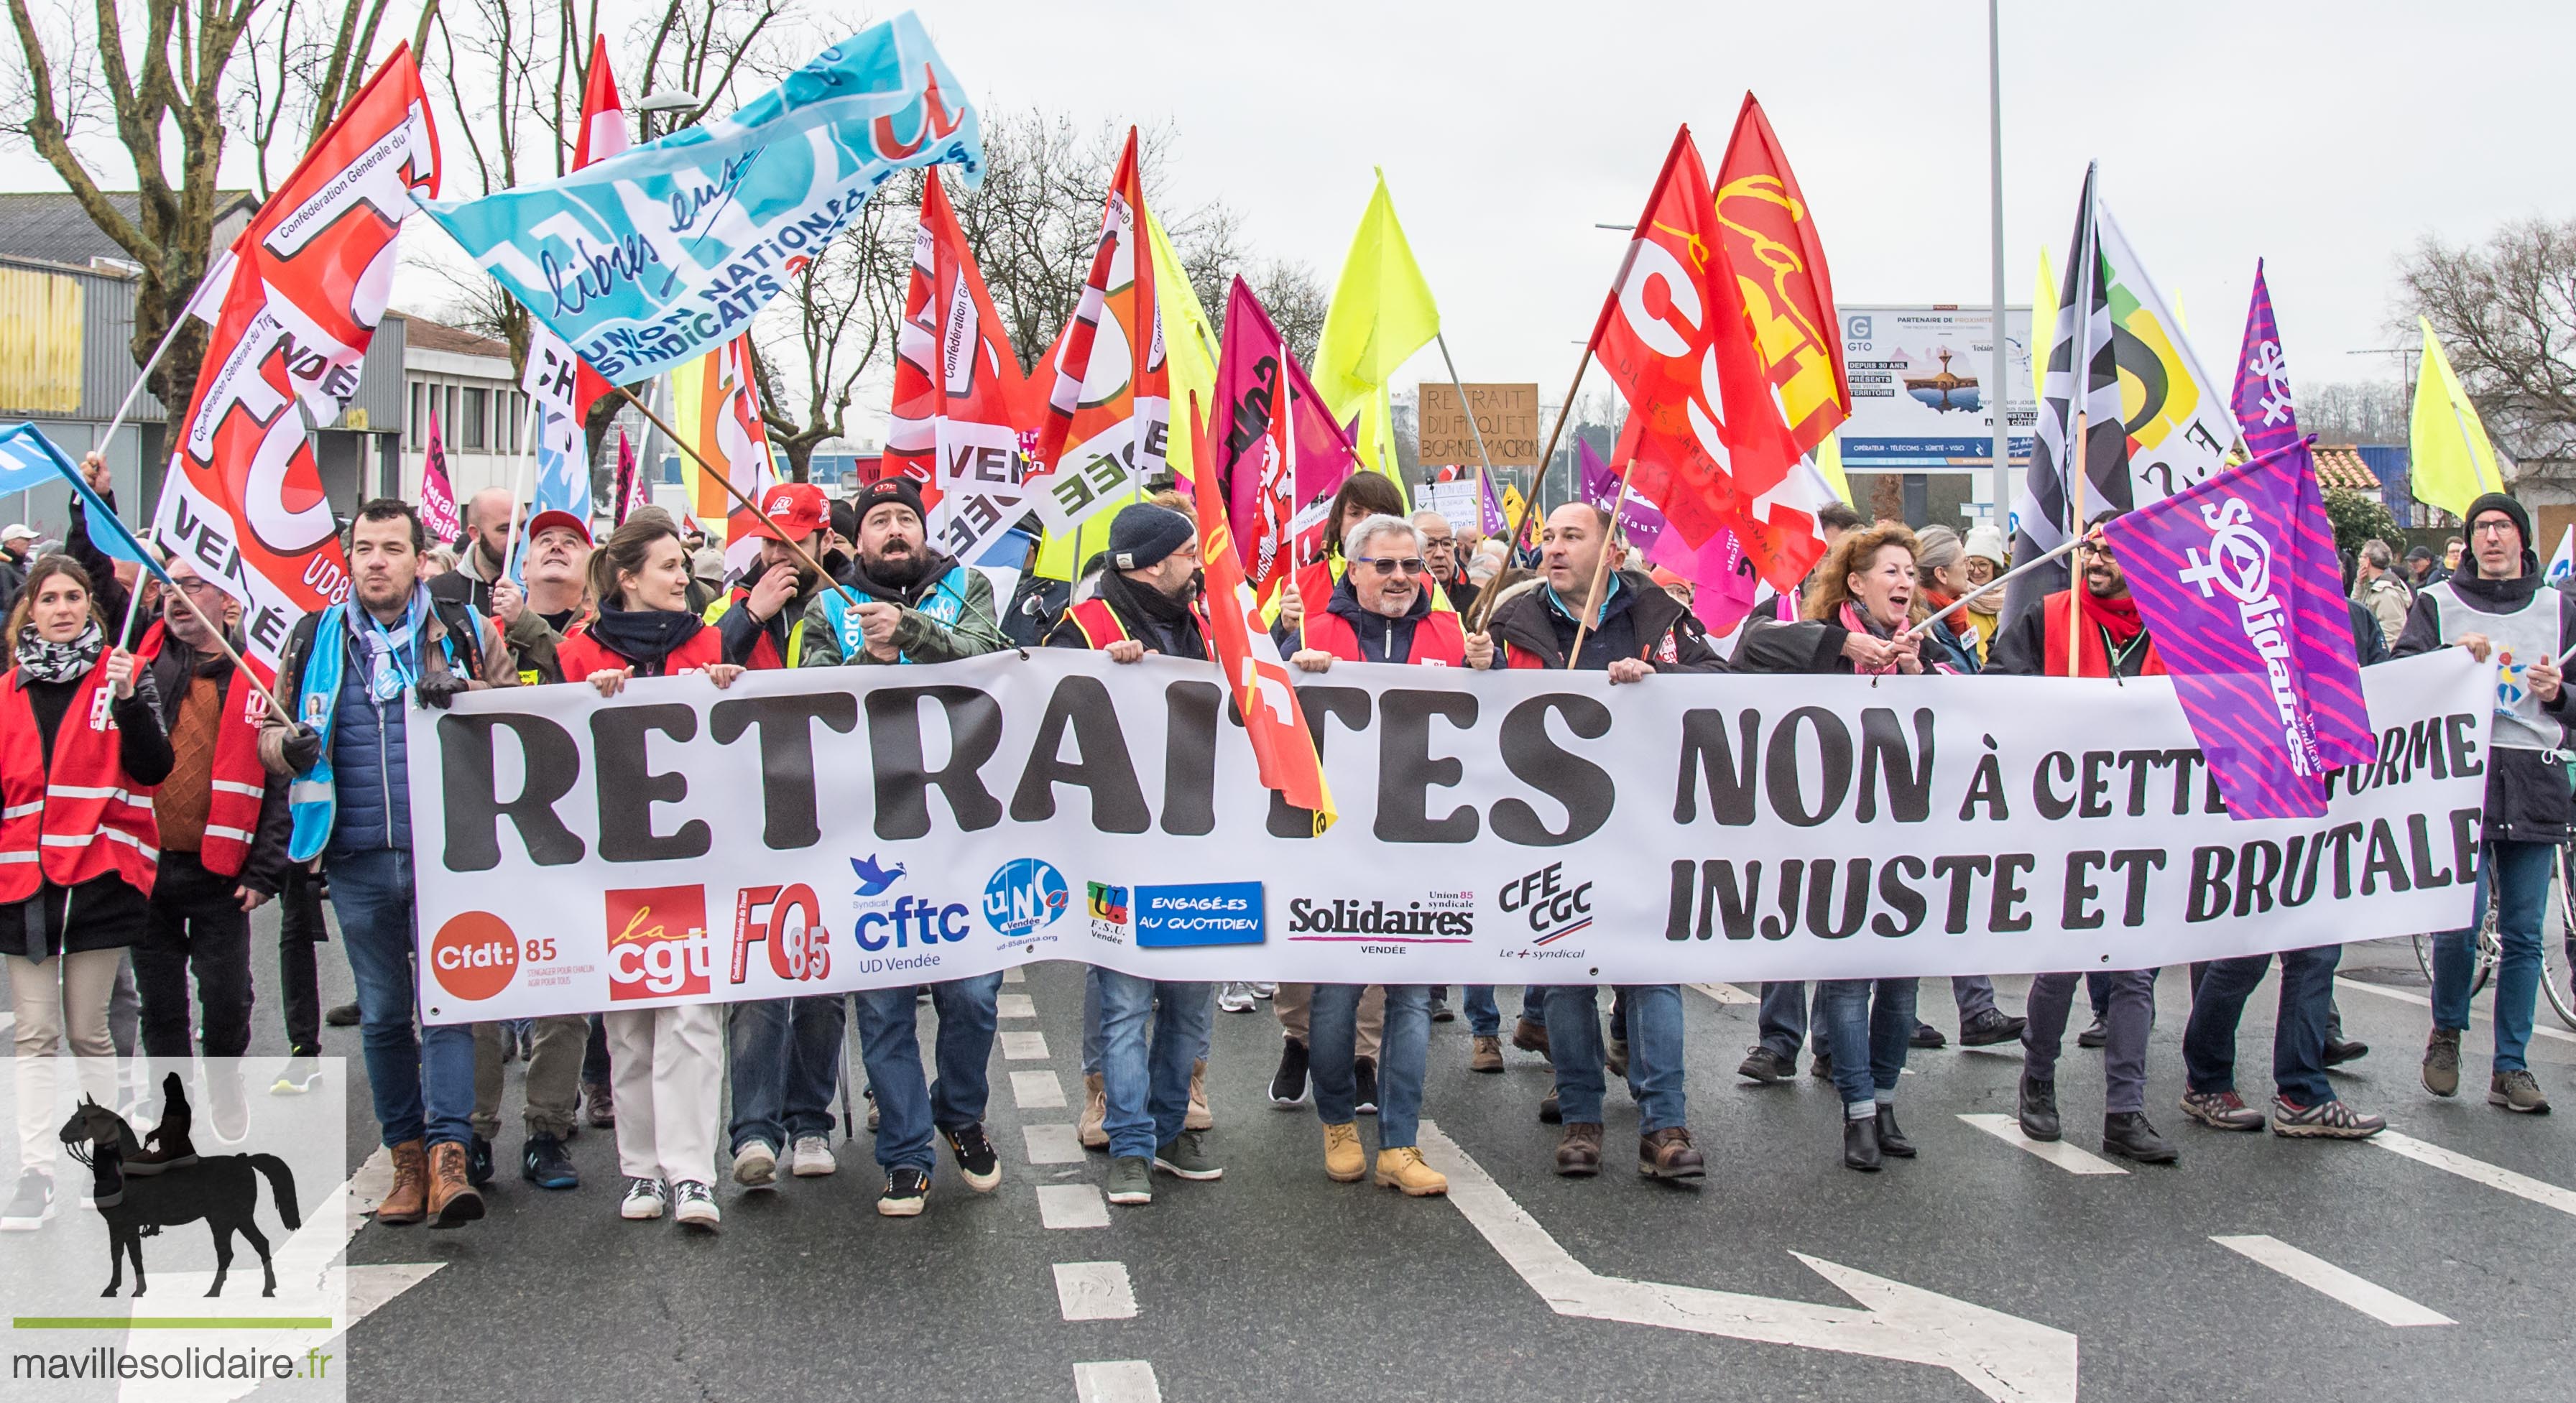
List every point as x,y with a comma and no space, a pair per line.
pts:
658,946
1025,896
1554,907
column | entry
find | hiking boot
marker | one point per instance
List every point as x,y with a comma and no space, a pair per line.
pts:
2037,1110
1131,1181
2342,1050
907,1188
1344,1161
1989,1027
2221,1110
755,1165
693,1204
2442,1062
1288,1084
341,1015
1762,1065
454,1201
1530,1035
2518,1091
1927,1037
2128,1135
1861,1149
1364,1082
2332,1120
1578,1150
978,1163
1821,1065
299,1076
478,1160
167,1146
1440,1013
644,1200
1402,1168
813,1158
1891,1140
407,1202
1198,1116
1185,1158
1095,1111
1616,1058
31,1205
544,1163
1550,1112
1487,1054
598,1105
2097,1035
1669,1154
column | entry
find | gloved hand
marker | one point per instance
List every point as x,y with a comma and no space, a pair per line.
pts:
437,691
303,747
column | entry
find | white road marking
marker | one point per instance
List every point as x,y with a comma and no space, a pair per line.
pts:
2545,1194
2056,1152
1729,995
1072,1206
1037,1091
2325,1278
1116,1381
8,1021
2003,1357
1015,975
2421,1001
1052,1144
1094,1291
1014,1006
1024,1047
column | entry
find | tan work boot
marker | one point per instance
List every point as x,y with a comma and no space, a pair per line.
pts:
1198,1117
1095,1109
1344,1161
407,1201
1488,1055
453,1201
1402,1168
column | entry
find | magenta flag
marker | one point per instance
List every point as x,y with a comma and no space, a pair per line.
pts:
437,497
632,489
1641,519
1723,581
1269,513
2265,413
2238,583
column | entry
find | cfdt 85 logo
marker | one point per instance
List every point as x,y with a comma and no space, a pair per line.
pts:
1024,896
658,946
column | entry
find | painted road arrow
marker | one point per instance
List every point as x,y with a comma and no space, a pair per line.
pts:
2006,1358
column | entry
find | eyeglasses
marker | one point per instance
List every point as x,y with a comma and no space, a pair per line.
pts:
2491,528
2093,549
1411,564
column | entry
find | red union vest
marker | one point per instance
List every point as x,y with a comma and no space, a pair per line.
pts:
1100,626
1438,641
84,820
239,783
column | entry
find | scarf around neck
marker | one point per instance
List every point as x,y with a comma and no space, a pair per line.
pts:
644,637
40,661
2117,617
393,652
1857,622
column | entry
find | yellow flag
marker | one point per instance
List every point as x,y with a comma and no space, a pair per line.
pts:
1381,314
2043,326
2453,462
1829,466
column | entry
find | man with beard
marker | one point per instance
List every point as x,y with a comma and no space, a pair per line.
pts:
906,603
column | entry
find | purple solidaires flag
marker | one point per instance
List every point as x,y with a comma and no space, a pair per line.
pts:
2237,581
2265,413
1641,519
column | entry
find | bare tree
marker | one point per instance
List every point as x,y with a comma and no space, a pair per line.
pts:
840,312
2355,411
2506,313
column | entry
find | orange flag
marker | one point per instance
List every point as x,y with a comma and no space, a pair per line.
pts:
1254,671
1770,237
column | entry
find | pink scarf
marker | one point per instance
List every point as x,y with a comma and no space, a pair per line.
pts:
1851,620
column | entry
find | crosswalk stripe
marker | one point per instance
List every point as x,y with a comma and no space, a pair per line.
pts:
1072,1206
2420,1001
1094,1291
1024,1047
1052,1143
1037,1091
1116,1381
1014,1006
2327,1279
2056,1152
2545,1194
1015,975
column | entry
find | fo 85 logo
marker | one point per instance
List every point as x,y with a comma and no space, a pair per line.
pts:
789,920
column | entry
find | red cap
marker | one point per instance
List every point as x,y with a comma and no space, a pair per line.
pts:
792,511
1666,578
549,520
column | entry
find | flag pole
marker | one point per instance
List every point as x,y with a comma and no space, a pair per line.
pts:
2075,525
2000,449
1610,541
725,481
1512,540
1998,582
1484,460
167,336
2466,442
519,483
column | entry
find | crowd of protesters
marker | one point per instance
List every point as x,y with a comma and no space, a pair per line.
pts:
151,800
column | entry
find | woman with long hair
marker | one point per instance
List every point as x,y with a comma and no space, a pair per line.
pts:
81,747
667,1064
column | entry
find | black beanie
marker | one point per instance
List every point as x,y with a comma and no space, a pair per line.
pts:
898,489
2499,502
1144,534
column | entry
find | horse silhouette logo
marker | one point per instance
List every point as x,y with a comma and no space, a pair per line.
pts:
873,879
140,1191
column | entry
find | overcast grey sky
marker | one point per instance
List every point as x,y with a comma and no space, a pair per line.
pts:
2324,137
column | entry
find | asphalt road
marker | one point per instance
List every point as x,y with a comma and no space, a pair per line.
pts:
1276,1283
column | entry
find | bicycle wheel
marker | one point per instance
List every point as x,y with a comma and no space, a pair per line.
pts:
2424,956
2555,973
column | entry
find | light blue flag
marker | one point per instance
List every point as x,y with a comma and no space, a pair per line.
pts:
29,459
658,255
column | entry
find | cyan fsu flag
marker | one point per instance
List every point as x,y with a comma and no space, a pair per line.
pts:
662,253
2237,581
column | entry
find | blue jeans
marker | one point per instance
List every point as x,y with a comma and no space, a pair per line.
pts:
1332,1031
2298,1036
424,1085
1147,1085
2520,873
1484,1017
1867,1036
786,1064
1783,1018
1654,1053
909,1106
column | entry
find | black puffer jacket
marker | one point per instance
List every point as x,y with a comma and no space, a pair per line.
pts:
2528,799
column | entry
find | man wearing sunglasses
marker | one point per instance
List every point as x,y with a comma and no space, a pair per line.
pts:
1380,611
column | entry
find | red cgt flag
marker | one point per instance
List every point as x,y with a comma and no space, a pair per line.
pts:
1770,238
959,398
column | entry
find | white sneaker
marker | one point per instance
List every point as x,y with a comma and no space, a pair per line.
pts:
1237,998
1264,991
755,1165
32,1205
812,1157
696,1206
644,1200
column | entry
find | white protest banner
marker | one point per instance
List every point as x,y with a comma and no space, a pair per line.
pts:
811,831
